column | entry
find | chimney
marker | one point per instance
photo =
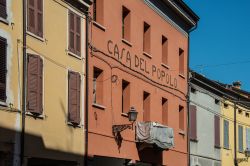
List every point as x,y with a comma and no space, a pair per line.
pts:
237,84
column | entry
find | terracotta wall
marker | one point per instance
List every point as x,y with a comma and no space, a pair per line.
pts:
144,73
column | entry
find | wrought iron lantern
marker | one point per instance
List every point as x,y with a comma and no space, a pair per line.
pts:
132,115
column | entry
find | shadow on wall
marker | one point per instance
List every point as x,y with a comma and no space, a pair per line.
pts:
36,154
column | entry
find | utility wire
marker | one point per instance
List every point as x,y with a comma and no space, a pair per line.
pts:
221,65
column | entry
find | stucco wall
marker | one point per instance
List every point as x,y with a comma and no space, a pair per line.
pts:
206,109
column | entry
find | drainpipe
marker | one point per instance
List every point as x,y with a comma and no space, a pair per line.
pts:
24,85
235,135
86,94
188,95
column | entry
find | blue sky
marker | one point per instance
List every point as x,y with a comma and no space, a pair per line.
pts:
220,46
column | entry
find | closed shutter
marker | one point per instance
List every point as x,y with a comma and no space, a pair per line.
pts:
35,85
31,16
35,17
78,35
216,131
71,32
74,98
3,12
193,123
74,33
39,29
3,69
248,138
240,138
226,134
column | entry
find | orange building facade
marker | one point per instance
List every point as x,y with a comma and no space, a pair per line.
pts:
138,57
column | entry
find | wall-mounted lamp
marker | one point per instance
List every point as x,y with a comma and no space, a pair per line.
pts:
117,129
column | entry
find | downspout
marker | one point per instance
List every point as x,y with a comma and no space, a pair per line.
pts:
235,135
86,93
24,85
188,95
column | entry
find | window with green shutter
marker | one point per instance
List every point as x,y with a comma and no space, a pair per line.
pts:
240,138
226,134
248,138
3,69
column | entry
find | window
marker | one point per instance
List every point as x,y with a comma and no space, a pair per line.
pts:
3,69
240,111
248,138
35,85
98,86
240,138
181,118
164,43
226,134
35,17
216,131
181,61
74,91
247,114
74,33
226,105
146,106
193,90
164,105
126,23
125,96
98,11
3,12
216,101
193,122
146,38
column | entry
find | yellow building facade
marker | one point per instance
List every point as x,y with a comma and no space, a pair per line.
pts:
242,135
54,117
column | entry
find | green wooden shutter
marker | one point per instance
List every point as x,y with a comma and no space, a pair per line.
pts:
226,134
240,138
248,138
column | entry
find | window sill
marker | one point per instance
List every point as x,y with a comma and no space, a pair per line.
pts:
4,20
147,55
98,25
127,42
99,106
165,65
194,140
182,76
124,114
35,36
181,132
5,107
74,126
42,117
74,55
226,148
4,104
217,147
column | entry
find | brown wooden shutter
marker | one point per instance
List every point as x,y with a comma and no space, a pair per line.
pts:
3,69
35,85
78,35
3,12
216,131
74,98
193,122
39,18
31,16
71,32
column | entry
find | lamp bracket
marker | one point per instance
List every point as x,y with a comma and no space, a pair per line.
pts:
117,129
